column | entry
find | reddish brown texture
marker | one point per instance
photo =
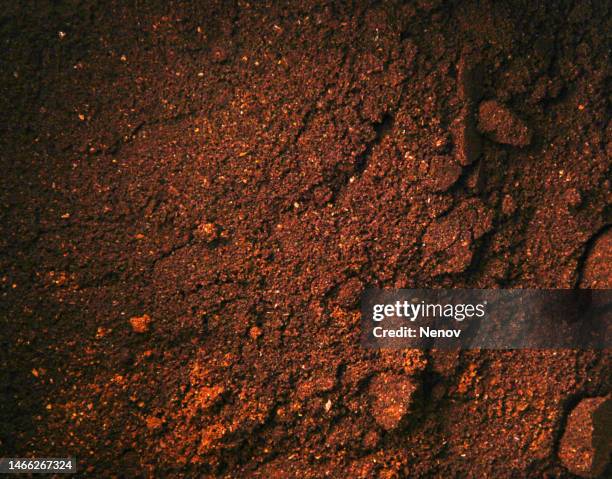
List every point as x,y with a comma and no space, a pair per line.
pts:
596,271
392,397
140,324
586,445
240,172
502,125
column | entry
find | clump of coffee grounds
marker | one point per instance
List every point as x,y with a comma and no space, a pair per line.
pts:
237,173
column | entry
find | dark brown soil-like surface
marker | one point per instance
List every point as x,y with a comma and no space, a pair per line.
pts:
195,194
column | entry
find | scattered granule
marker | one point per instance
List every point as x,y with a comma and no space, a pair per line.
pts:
140,324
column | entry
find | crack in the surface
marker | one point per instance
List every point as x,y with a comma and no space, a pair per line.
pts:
382,130
132,135
588,247
170,252
310,112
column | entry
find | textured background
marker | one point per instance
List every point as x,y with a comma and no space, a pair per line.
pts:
194,195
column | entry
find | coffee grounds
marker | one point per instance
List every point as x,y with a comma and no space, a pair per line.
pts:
238,173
